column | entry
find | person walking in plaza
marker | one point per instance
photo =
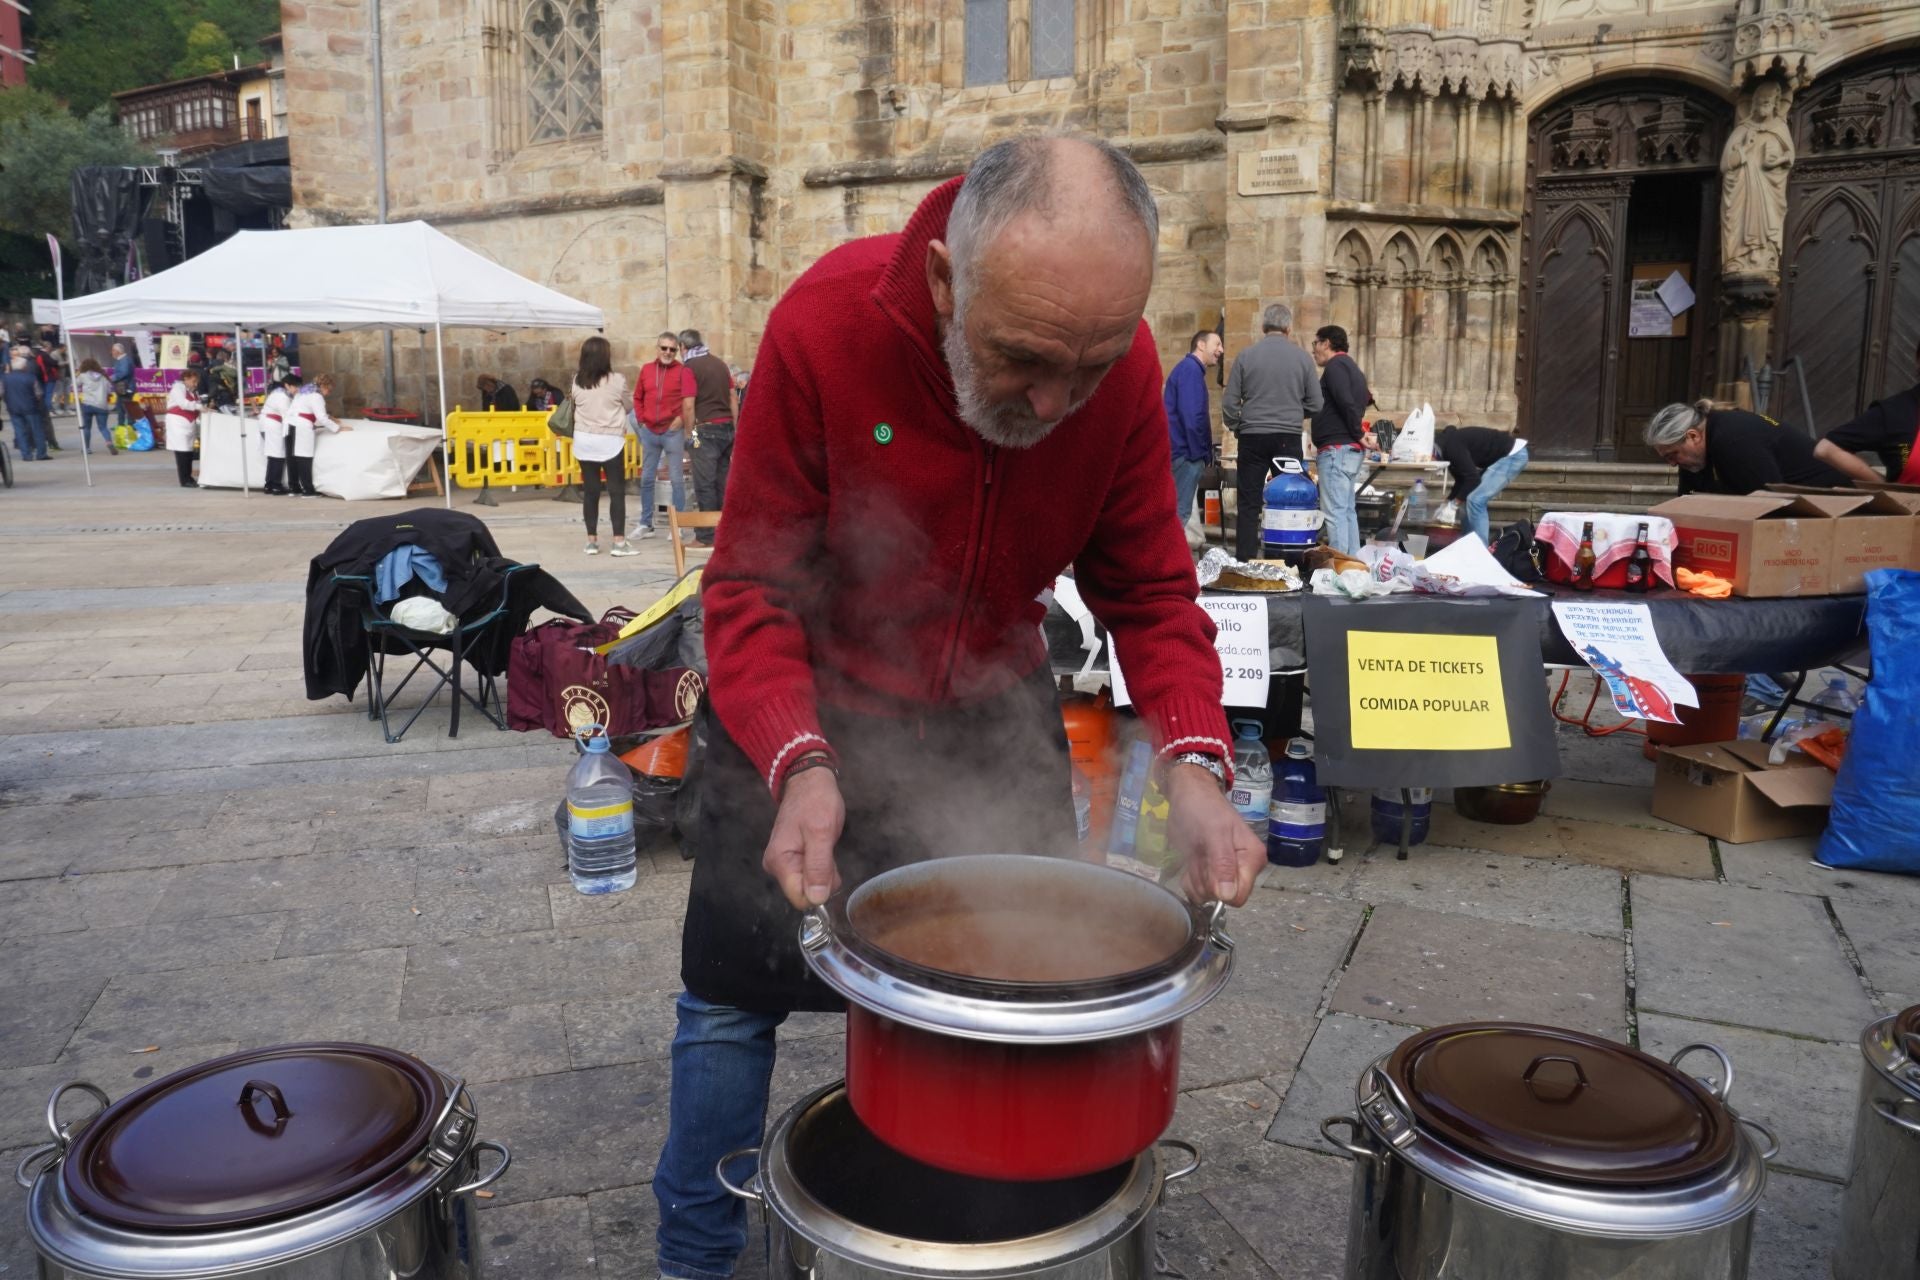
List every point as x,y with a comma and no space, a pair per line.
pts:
24,407
182,424
276,430
870,605
1340,437
663,399
310,417
48,373
1271,391
121,375
95,390
1483,461
715,406
1189,422
600,441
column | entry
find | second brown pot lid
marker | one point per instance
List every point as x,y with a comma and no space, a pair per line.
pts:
254,1137
1561,1105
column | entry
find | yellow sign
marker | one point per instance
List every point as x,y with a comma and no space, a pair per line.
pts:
1425,692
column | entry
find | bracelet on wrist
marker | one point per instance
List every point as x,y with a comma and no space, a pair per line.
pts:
811,760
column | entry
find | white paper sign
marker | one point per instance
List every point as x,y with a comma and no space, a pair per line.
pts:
1676,293
1617,641
1240,638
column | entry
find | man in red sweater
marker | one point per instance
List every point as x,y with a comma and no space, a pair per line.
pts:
880,690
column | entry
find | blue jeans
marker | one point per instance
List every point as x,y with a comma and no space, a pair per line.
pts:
674,445
90,418
722,1067
1492,481
48,392
29,435
1186,480
1338,473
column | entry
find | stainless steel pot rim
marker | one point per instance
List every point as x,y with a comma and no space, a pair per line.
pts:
1019,1013
1898,1063
65,1235
808,1218
1685,1208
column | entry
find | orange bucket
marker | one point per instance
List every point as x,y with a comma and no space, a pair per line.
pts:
1716,719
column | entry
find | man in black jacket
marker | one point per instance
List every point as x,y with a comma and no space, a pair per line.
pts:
1484,461
497,396
1339,436
1733,451
1890,428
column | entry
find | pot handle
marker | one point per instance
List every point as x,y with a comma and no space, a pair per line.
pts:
63,1134
1352,1149
1773,1139
1890,1112
21,1172
1217,925
749,1190
492,1175
813,930
1193,1159
1725,1087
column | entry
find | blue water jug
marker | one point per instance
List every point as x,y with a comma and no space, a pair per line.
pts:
1290,511
1297,833
1387,808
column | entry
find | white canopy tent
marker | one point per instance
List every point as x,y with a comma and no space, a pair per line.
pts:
402,275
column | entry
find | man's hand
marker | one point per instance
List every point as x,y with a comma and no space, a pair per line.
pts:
1221,853
800,852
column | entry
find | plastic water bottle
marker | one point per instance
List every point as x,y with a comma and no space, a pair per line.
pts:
600,850
1297,834
1417,504
1387,808
1082,807
1834,705
1252,777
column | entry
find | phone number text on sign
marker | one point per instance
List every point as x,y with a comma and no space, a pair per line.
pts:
1239,637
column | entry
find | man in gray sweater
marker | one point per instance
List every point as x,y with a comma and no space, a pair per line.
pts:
1273,389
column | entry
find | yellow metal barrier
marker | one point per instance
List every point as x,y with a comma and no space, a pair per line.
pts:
566,468
504,448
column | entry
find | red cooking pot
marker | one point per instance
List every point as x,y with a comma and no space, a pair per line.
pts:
1016,1017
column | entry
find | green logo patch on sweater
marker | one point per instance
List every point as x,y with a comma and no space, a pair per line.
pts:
882,433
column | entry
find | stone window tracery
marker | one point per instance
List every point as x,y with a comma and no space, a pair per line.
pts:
1013,41
560,52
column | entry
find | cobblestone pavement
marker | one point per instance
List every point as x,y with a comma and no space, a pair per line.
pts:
195,858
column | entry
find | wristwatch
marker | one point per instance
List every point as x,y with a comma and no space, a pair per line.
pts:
1210,763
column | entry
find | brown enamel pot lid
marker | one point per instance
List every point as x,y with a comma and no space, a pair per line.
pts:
254,1137
1561,1105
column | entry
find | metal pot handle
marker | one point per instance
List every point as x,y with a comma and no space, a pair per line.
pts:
1725,1088
1217,925
1890,1112
492,1175
750,1190
1352,1149
20,1171
813,932
63,1134
1193,1159
1773,1139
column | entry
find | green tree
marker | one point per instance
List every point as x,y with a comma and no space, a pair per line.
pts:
208,49
41,144
88,50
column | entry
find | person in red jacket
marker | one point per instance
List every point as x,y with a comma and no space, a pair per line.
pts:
880,691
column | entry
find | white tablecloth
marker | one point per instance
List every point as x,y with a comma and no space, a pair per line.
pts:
374,460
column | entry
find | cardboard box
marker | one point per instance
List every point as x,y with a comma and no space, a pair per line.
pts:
1873,529
1727,790
1766,544
1907,496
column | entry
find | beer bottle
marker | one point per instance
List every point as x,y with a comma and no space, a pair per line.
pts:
1640,564
1583,562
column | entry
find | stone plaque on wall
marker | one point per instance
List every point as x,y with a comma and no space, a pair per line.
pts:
1282,171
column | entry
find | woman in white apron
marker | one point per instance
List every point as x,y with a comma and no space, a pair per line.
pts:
275,427
182,423
309,418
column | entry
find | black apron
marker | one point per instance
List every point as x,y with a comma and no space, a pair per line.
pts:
990,778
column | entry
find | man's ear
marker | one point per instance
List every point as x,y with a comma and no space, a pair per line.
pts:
940,278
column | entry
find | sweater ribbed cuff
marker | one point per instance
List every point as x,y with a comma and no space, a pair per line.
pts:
779,732
1185,722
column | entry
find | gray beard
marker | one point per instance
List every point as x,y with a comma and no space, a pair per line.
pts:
1009,426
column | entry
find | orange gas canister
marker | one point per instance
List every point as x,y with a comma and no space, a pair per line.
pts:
1091,729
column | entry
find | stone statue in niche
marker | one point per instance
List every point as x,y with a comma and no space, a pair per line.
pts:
1753,184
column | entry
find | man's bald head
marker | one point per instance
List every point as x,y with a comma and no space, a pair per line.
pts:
1041,281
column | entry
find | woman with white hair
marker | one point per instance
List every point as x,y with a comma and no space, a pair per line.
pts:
183,424
1733,451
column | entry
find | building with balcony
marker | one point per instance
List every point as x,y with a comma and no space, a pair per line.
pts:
201,113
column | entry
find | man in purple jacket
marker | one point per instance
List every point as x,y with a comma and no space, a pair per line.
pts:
1188,423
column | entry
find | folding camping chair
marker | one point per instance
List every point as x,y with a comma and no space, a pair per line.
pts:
385,636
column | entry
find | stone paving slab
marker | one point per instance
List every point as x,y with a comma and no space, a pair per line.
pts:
38,1018
1193,1238
539,1238
1804,1090
541,968
1491,886
1573,840
1795,1229
1788,865
1886,935
414,919
1607,803
575,1132
1324,1084
1229,1124
99,954
1240,1039
1728,954
603,1032
1429,967
624,1221
1297,1220
285,884
1287,944
24,1091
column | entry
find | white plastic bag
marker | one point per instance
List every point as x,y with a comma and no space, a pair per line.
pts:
1414,442
1387,562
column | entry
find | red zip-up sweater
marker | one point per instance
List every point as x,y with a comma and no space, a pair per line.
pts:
878,556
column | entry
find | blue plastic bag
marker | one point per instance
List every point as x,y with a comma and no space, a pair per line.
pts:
1875,823
142,436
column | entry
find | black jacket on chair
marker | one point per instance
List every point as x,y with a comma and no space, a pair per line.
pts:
334,644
